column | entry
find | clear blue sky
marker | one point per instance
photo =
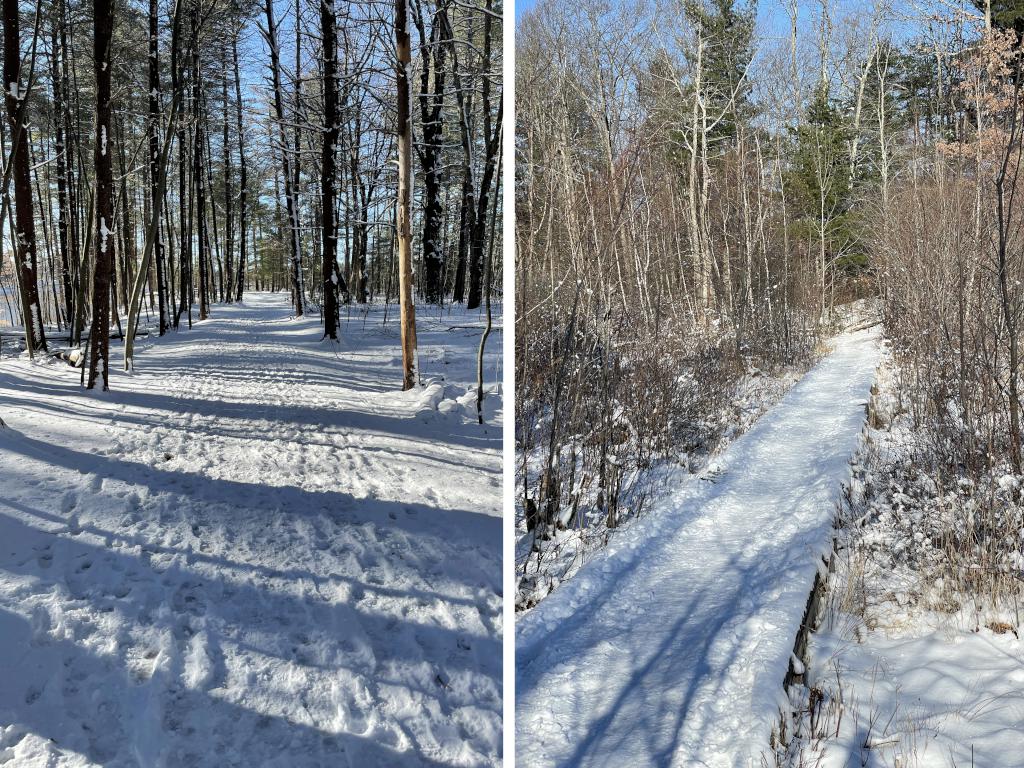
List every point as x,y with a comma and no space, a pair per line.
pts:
768,12
523,5
771,17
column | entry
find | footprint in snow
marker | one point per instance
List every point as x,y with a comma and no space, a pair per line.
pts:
68,501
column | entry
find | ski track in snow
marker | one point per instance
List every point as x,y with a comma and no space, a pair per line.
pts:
254,551
669,648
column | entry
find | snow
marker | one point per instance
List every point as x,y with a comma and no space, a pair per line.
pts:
671,645
254,550
543,562
105,232
918,662
929,697
103,139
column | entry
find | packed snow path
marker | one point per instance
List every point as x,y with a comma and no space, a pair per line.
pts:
254,551
669,648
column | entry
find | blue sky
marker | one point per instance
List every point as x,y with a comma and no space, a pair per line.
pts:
523,5
771,17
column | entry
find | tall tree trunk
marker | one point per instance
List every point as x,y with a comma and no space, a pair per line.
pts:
243,181
290,200
403,218
184,223
25,235
154,160
63,240
197,172
490,136
329,240
99,335
71,152
432,116
467,208
297,158
229,223
357,276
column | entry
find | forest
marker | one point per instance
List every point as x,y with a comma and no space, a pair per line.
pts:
719,204
251,383
162,158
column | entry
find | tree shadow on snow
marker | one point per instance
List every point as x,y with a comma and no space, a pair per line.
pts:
265,612
403,426
156,719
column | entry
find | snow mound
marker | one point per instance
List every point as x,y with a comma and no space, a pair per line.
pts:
454,402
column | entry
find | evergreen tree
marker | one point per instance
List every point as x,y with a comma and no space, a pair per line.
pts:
1006,14
819,181
727,30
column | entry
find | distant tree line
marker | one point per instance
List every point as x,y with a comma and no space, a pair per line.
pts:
167,155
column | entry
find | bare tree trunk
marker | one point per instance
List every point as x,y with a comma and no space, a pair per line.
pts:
71,151
154,160
99,335
1006,298
290,200
243,180
60,150
329,240
487,301
227,288
25,236
404,128
433,51
297,158
184,222
197,172
476,251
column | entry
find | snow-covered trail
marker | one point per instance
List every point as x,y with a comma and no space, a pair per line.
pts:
252,551
670,647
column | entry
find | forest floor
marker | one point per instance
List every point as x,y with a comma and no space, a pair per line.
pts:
254,550
669,648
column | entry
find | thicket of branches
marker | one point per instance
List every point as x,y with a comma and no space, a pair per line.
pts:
218,113
948,245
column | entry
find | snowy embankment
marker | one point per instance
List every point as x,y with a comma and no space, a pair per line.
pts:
919,663
669,648
253,551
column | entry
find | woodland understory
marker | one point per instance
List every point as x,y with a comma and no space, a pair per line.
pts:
697,204
162,157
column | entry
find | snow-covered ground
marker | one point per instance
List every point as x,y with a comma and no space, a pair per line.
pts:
254,551
669,648
919,662
925,694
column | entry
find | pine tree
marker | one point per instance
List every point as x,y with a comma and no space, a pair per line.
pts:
99,334
820,189
25,229
727,30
